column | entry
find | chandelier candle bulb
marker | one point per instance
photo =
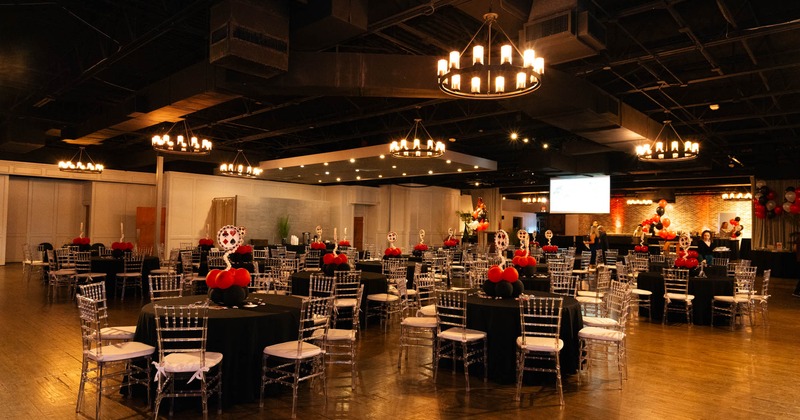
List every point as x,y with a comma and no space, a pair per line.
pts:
442,67
455,82
499,84
455,59
528,58
505,54
477,55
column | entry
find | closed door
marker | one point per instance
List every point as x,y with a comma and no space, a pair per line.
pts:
358,232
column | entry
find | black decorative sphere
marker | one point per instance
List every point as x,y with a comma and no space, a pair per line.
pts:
518,288
504,289
489,288
216,295
234,295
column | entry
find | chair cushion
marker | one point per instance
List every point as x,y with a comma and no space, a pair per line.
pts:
461,334
590,293
90,275
427,310
760,298
594,321
544,344
288,350
641,292
118,333
678,296
383,297
336,334
189,362
732,299
162,271
345,303
589,300
121,351
419,322
604,334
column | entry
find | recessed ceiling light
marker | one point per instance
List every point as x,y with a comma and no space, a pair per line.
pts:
280,169
459,169
545,146
326,163
448,161
477,184
358,177
327,173
298,176
404,174
358,170
525,140
382,156
302,166
338,179
452,140
394,166
713,107
380,176
352,160
504,198
514,136
430,172
475,167
319,180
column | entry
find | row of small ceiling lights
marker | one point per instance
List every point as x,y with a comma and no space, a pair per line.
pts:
358,177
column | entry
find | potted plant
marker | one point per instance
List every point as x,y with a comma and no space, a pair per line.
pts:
283,228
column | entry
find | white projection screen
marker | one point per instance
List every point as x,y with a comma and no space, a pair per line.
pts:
580,195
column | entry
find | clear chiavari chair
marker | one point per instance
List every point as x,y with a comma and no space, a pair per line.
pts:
453,339
165,286
540,321
676,293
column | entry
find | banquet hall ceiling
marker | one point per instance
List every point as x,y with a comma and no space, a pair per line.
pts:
110,75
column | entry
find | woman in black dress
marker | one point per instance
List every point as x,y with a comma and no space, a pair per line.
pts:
704,248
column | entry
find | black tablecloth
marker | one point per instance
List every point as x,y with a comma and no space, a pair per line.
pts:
373,283
703,290
240,335
782,264
112,266
540,282
377,267
499,318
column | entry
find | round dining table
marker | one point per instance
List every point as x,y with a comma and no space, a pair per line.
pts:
703,289
111,266
376,266
500,319
240,334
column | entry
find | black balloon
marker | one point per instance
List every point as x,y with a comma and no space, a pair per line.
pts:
660,211
518,288
489,288
764,190
763,200
770,214
504,289
216,295
659,226
789,189
234,295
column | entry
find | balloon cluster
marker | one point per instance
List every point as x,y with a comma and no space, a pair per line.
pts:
81,241
451,243
206,242
344,243
641,248
522,259
334,262
765,205
687,259
480,221
550,248
659,223
318,245
228,287
736,227
392,252
122,246
503,283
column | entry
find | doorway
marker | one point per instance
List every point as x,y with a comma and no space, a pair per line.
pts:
358,232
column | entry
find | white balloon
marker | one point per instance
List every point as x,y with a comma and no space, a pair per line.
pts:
790,196
771,204
787,207
760,184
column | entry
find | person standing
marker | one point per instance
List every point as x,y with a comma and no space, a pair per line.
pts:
602,241
591,243
704,248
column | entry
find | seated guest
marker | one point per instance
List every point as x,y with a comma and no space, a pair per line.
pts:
704,246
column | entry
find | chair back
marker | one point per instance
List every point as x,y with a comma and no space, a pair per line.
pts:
554,267
320,285
611,256
260,282
90,326
765,288
451,309
603,276
617,302
313,310
676,280
637,265
83,262
657,258
540,317
745,279
290,255
64,258
182,329
426,289
719,262
165,286
346,284
312,258
259,254
133,264
564,284
97,292
215,261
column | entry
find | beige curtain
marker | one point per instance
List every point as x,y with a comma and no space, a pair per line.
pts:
767,231
223,212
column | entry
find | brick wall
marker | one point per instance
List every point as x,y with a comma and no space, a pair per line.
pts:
693,213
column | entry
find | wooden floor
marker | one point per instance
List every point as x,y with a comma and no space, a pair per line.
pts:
675,372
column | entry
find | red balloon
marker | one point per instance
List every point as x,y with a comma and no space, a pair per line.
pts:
646,228
211,278
771,195
343,257
519,253
337,260
778,211
665,222
662,203
397,252
515,260
225,279
522,261
388,252
510,274
241,277
327,259
794,208
531,261
495,274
